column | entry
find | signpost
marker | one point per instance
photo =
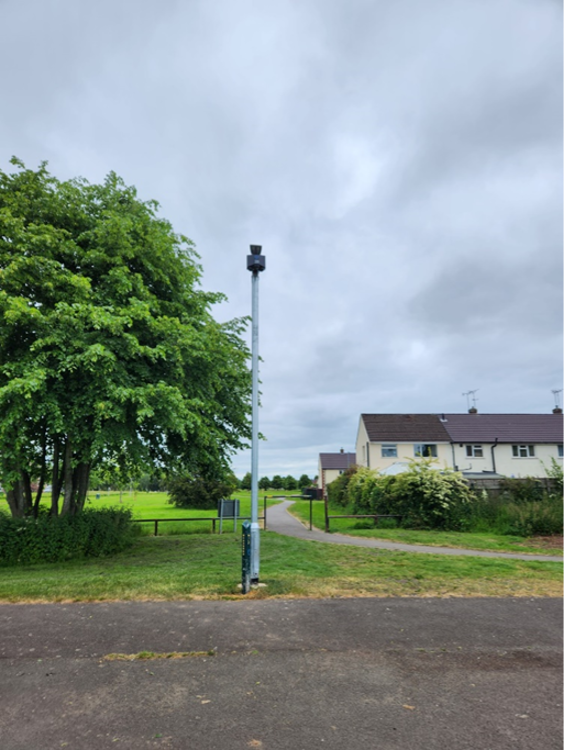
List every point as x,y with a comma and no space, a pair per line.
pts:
228,509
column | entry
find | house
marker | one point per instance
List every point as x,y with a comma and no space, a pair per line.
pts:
331,465
512,445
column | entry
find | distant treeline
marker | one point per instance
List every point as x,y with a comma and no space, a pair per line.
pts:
277,482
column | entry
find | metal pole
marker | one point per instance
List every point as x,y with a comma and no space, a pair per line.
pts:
255,439
311,513
255,264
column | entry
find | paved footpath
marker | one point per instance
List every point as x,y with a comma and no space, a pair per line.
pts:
281,521
362,674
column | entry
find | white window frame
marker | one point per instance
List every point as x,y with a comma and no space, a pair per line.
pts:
474,451
419,452
523,451
389,447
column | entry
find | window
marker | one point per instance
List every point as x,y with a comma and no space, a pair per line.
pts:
388,450
560,451
474,451
523,451
425,450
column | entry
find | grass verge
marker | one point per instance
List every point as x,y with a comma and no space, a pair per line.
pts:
208,567
150,655
463,540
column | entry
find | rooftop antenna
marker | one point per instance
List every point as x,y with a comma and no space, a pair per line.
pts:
557,397
473,396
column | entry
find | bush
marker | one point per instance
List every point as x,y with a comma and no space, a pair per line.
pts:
424,496
199,492
555,476
497,512
521,491
429,498
338,489
539,518
91,533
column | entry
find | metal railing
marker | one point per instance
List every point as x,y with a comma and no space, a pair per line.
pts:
212,519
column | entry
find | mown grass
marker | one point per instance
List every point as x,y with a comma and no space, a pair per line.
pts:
155,505
463,540
209,567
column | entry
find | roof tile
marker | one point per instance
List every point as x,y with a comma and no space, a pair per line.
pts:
337,460
426,428
507,428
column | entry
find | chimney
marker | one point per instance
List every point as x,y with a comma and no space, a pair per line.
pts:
341,450
472,410
557,410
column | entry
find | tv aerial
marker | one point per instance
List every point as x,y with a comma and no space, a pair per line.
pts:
472,395
557,393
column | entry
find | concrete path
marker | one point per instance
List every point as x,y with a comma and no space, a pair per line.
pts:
356,674
282,522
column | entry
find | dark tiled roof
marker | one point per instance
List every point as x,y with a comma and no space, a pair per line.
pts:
507,428
425,428
337,460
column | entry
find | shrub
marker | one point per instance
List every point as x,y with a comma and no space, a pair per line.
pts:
91,533
521,491
555,475
359,489
198,492
338,489
497,512
544,517
424,496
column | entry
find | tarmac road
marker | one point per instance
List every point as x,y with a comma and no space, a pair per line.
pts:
451,674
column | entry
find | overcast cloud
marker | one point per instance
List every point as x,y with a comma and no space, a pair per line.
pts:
400,162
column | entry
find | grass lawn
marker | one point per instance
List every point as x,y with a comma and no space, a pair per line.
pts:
154,505
463,540
197,566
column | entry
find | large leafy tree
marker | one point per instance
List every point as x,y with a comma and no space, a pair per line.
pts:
304,481
290,483
108,347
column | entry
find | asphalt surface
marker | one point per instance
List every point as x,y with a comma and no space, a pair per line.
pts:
284,674
282,522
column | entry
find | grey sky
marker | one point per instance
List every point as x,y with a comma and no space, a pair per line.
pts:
400,163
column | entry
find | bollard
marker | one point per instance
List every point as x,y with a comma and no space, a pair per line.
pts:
246,556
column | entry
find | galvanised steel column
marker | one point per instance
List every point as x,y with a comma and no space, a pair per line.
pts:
256,263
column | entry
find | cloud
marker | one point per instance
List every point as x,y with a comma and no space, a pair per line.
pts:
400,163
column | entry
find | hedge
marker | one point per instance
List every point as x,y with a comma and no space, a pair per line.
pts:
91,533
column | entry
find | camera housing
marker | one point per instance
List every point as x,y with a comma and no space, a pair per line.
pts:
256,261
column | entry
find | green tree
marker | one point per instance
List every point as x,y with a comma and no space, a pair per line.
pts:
264,483
290,483
109,352
246,483
277,482
199,492
304,481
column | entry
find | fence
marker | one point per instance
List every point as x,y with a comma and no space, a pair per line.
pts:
212,519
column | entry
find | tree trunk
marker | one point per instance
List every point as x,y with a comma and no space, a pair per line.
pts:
13,498
81,477
56,480
17,500
68,479
26,491
42,473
